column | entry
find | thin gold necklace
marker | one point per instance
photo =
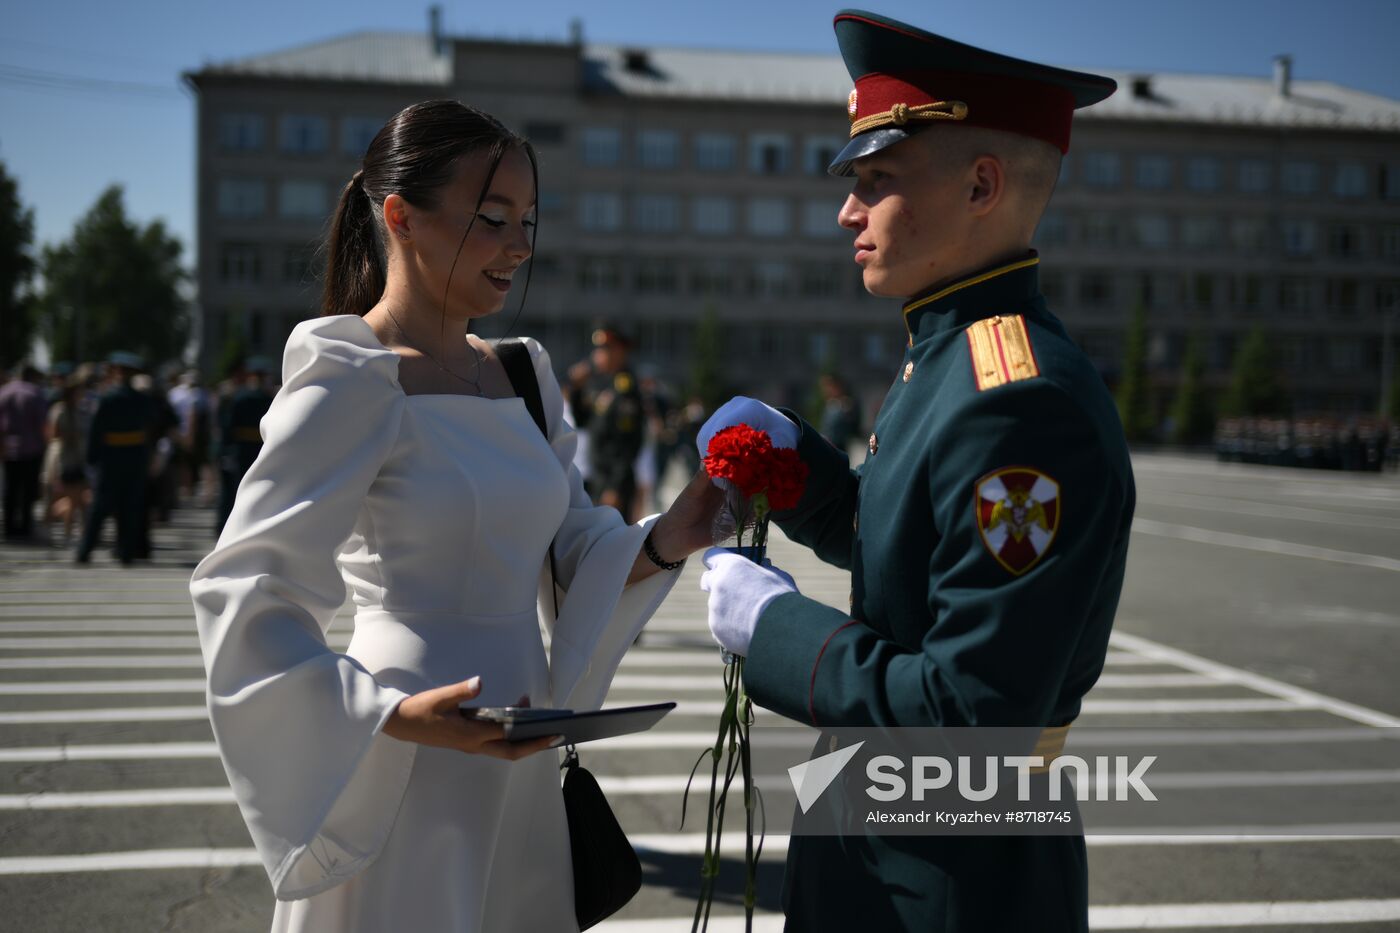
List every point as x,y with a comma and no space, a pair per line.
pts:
474,383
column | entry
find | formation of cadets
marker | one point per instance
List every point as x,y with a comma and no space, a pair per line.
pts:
1371,444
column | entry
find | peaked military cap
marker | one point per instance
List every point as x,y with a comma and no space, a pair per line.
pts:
906,78
125,359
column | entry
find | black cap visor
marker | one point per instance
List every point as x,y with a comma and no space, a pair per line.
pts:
864,145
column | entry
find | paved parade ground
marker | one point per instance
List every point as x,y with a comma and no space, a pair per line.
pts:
1260,621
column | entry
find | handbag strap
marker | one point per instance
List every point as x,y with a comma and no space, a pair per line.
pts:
520,369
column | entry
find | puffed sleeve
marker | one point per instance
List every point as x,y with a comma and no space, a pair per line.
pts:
297,724
594,550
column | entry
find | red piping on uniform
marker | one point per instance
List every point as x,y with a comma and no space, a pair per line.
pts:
871,22
1001,352
812,690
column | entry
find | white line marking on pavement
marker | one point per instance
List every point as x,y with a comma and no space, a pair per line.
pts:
22,642
172,685
102,626
1210,735
130,714
1266,545
134,751
156,797
81,662
1157,680
1240,506
128,861
1267,685
1262,914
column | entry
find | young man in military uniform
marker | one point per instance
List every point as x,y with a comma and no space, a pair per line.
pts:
119,449
607,402
987,531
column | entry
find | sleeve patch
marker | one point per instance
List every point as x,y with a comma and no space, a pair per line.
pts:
1001,351
1018,515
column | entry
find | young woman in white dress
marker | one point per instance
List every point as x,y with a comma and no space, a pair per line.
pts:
398,462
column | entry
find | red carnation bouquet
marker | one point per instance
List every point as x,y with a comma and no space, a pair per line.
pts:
758,478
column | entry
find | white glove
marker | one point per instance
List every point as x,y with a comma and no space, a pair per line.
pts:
739,592
750,411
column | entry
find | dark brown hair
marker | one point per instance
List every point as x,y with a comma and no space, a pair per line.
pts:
414,156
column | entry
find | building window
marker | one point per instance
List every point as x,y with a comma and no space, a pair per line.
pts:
1299,177
298,264
818,347
1344,354
769,217
1299,237
877,350
1390,181
1256,176
600,211
1388,296
820,279
771,279
1249,292
820,151
1100,229
1203,173
1102,169
602,146
657,213
356,133
1153,172
1249,235
552,204
239,263
1200,289
1152,231
715,152
1052,287
657,276
242,197
1350,180
819,219
1344,241
658,149
599,274
1095,289
544,132
1388,243
304,133
1295,294
1342,295
713,277
769,154
241,132
301,199
1201,233
712,216
1053,229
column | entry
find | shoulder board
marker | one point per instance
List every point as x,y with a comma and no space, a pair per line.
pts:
1001,351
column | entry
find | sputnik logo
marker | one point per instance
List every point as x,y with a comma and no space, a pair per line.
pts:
811,778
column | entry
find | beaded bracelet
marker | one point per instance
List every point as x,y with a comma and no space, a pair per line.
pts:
655,558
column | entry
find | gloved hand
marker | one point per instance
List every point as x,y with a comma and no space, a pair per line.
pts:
750,411
739,592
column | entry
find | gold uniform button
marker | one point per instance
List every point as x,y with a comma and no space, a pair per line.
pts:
853,599
874,444
908,370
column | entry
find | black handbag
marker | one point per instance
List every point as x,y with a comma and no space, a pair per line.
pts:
607,872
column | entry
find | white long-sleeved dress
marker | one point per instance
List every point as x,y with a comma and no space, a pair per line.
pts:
436,512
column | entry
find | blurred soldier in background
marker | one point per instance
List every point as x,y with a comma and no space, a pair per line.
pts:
118,449
607,402
840,420
22,409
239,437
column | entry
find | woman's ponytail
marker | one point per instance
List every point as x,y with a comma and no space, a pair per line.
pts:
355,258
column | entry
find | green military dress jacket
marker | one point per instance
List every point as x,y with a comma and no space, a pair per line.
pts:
986,535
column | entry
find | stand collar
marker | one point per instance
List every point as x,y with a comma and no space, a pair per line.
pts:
1000,289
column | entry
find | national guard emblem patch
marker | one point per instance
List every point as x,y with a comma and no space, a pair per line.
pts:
1018,514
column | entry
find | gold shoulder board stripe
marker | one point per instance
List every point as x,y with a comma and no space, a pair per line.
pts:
1001,351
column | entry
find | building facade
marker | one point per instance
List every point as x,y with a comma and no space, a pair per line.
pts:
677,183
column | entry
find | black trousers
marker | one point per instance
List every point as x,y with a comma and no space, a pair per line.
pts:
21,491
121,493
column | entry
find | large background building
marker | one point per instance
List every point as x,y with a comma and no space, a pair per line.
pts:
679,181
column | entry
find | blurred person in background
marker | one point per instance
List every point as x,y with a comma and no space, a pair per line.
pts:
840,417
192,406
660,413
161,470
23,406
239,437
65,483
606,400
119,450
